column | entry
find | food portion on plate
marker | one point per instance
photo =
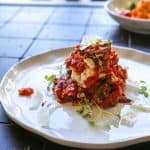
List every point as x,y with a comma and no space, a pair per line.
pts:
93,76
132,15
93,87
136,9
93,79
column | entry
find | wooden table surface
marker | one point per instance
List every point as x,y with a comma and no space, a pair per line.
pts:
30,29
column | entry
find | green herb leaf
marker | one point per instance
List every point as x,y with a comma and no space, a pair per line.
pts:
119,116
93,42
60,68
145,93
86,111
80,109
143,89
132,4
142,81
50,78
109,41
92,122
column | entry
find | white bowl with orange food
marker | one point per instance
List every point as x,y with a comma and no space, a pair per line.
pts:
136,19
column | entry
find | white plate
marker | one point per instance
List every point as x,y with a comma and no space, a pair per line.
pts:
132,24
66,126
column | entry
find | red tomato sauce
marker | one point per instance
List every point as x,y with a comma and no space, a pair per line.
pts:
105,87
25,91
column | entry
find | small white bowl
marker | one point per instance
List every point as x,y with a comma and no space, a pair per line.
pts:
131,24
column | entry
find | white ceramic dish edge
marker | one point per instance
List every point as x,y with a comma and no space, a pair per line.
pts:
113,144
136,25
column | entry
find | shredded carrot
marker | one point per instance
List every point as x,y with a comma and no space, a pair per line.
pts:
142,10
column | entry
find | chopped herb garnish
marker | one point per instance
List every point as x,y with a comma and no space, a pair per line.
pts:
92,122
119,116
143,89
145,93
107,125
127,67
60,68
94,42
80,109
50,78
86,111
48,88
142,81
109,41
132,4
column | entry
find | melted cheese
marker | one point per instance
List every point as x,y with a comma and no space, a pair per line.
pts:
80,78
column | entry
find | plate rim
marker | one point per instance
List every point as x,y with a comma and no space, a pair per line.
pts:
108,145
